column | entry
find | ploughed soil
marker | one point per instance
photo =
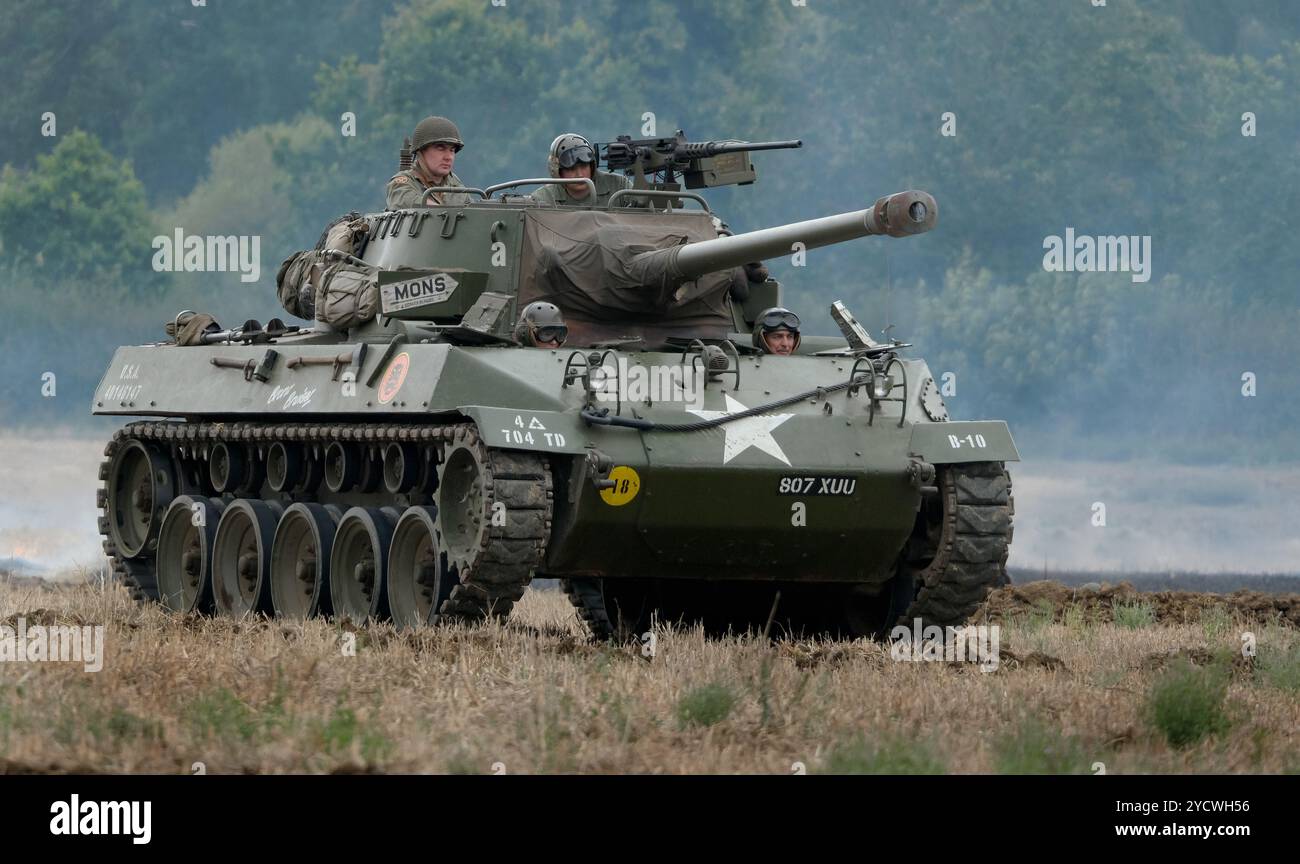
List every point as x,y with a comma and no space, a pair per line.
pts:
1098,603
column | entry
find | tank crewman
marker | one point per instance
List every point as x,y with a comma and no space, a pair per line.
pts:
541,326
571,155
777,331
435,143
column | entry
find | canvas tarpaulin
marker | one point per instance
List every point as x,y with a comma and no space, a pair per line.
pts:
591,264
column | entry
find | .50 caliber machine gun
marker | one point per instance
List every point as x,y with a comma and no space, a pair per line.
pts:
654,163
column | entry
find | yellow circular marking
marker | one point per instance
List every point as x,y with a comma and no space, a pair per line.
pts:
626,485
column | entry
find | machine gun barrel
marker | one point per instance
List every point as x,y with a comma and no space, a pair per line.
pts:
704,149
677,153
899,215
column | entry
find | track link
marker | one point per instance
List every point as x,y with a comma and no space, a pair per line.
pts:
589,601
510,548
973,543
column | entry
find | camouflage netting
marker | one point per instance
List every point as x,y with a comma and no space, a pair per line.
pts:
586,262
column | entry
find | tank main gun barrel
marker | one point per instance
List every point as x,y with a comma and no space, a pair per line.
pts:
899,215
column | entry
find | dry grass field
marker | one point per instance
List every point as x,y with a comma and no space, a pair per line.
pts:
1111,681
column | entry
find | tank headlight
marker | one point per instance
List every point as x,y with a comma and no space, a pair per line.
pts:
881,386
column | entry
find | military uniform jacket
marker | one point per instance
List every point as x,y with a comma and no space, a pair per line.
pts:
606,185
407,189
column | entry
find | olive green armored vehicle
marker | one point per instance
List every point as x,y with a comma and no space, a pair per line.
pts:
412,458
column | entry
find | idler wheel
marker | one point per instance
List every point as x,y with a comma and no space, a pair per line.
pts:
359,563
461,499
300,561
140,487
241,557
418,581
184,560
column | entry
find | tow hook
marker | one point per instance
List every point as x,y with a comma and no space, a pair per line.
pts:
600,465
920,473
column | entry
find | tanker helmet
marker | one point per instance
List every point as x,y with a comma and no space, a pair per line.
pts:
541,322
568,150
435,130
776,318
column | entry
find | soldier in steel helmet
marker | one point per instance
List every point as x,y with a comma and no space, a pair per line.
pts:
435,143
541,326
777,331
572,155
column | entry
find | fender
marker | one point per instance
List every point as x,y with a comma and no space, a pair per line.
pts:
963,441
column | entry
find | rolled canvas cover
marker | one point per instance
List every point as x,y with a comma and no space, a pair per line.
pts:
586,262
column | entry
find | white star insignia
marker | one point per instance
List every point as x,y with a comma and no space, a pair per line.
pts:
749,432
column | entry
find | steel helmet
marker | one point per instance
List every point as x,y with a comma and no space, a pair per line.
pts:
435,130
568,150
541,322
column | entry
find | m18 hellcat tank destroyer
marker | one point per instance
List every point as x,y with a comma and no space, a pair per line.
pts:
420,464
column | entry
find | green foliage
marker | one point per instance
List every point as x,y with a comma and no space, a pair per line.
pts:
78,214
1280,667
221,714
1040,615
1216,623
124,726
7,716
890,755
1037,748
160,83
1074,618
707,705
1135,616
342,729
250,175
1186,704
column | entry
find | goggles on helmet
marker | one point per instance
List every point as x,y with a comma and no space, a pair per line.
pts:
779,319
575,153
550,333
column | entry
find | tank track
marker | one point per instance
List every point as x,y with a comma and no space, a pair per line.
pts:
509,553
589,602
490,584
136,576
973,543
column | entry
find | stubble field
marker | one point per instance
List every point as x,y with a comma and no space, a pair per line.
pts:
1137,685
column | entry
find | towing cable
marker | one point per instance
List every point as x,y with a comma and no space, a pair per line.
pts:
603,418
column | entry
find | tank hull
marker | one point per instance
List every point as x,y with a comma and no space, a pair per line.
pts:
820,491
